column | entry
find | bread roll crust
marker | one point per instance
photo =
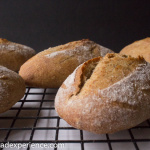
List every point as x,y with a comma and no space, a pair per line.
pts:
138,48
12,88
48,69
13,55
106,109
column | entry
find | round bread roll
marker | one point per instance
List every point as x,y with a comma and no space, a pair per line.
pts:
138,48
13,55
106,95
12,88
48,69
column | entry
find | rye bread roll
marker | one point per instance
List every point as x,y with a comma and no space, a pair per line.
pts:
13,55
49,68
138,48
106,95
12,88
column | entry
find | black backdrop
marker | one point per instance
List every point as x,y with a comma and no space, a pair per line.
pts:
45,23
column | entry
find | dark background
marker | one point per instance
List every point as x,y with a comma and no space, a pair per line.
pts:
45,23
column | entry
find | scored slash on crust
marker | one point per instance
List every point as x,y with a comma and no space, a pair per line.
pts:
121,105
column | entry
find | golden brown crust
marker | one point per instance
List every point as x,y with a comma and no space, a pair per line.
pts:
3,40
48,69
12,88
138,48
103,106
13,55
109,68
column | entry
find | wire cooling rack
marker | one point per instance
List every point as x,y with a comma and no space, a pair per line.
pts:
33,120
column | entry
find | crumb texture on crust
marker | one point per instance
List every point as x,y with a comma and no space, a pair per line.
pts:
138,48
12,88
107,108
49,68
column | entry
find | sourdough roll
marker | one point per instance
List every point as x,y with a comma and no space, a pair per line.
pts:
106,95
138,48
12,88
48,69
13,55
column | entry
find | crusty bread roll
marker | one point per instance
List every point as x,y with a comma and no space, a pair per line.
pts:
13,55
138,48
50,68
12,88
106,95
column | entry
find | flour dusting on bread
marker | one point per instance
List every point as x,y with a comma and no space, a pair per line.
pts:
22,49
131,86
50,68
68,83
119,106
83,52
12,88
14,55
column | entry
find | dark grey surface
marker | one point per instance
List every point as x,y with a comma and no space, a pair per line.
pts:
44,23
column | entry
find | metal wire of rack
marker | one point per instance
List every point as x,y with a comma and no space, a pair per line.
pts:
33,120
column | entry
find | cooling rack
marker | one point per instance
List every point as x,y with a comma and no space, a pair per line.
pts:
33,120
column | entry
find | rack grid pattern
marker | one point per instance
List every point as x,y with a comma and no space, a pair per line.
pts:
33,120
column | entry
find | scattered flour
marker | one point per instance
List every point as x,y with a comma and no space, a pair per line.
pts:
130,90
53,54
82,52
22,49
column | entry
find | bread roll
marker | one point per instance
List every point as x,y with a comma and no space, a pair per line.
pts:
12,88
106,95
138,48
50,68
13,55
